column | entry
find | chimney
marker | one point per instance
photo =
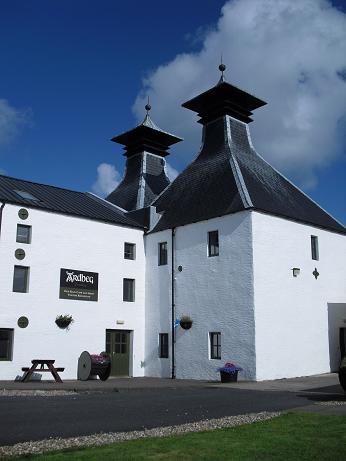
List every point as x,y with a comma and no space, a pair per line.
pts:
146,147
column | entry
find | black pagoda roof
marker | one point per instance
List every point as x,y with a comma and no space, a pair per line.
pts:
146,136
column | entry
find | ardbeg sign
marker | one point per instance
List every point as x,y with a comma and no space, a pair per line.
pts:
79,285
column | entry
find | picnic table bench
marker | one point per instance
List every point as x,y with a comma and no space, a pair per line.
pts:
28,371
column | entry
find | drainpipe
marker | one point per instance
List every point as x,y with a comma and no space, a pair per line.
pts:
173,307
1,208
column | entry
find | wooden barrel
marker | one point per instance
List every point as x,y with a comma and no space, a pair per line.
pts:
94,365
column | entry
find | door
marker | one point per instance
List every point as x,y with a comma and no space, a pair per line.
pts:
118,346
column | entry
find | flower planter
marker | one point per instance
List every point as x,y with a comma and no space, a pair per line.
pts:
186,325
229,377
185,322
64,321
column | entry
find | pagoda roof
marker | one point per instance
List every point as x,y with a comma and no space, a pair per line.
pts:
146,136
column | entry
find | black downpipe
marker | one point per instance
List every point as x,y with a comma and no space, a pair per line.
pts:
1,209
173,307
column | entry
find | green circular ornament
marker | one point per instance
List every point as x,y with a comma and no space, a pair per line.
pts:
23,213
19,253
23,322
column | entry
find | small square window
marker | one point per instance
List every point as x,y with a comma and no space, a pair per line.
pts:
129,290
163,345
215,345
213,243
23,234
163,253
6,344
20,279
129,250
314,248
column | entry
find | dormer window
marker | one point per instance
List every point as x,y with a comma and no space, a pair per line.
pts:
26,195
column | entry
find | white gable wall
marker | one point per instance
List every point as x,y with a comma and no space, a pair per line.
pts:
216,292
60,241
292,337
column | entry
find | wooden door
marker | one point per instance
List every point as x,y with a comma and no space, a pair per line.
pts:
118,346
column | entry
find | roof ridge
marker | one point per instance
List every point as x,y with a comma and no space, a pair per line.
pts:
236,170
41,184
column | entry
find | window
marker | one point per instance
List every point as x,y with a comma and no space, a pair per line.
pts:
20,279
163,345
213,243
23,234
314,247
129,250
162,253
215,345
26,195
6,343
129,290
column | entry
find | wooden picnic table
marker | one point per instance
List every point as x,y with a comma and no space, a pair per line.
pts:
42,362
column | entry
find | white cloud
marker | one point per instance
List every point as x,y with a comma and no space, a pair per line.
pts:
11,120
171,172
107,179
291,53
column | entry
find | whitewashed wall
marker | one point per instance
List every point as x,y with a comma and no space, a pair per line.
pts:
216,292
292,324
60,241
157,305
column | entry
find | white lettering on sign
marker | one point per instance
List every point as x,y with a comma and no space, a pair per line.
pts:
71,277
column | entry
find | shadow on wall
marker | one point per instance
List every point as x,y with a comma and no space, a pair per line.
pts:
336,322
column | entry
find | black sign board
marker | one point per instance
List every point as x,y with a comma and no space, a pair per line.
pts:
81,285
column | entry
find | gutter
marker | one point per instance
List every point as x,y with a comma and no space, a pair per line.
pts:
1,209
173,306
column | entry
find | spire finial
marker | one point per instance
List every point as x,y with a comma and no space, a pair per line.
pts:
222,69
147,106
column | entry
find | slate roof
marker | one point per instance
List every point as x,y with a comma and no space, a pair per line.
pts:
229,176
145,176
142,183
63,201
146,136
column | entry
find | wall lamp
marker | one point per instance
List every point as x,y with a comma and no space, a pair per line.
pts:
296,271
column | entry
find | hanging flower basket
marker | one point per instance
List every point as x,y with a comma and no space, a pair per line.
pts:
186,322
64,321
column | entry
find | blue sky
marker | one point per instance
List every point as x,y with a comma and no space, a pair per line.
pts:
74,74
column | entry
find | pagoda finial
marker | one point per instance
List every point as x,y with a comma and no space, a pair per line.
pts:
222,69
147,106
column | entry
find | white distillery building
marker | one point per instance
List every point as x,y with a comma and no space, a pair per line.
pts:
254,265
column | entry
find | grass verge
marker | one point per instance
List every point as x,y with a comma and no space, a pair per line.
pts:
293,436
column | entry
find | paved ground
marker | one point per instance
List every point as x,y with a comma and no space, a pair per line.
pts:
117,384
133,404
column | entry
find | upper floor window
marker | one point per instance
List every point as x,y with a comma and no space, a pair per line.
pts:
129,250
20,279
6,343
215,345
129,290
163,345
163,253
314,247
213,243
23,234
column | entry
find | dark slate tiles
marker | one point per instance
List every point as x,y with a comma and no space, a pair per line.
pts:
63,201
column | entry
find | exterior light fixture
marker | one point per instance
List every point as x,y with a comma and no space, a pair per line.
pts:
296,271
